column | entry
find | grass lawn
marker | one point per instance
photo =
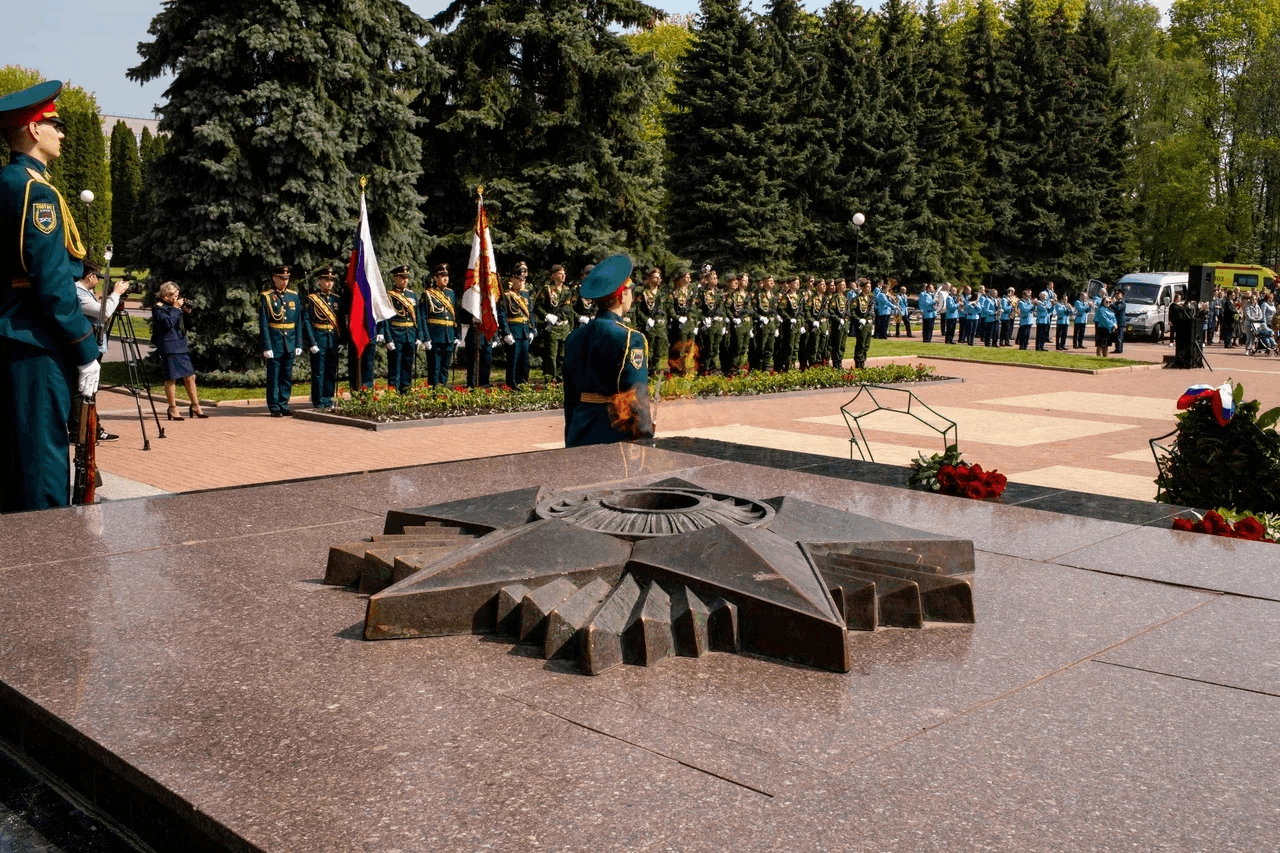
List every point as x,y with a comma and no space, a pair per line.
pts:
904,347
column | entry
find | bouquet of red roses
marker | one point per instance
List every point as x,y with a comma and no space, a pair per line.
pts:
1217,523
947,474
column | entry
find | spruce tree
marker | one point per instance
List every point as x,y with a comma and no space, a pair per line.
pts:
275,111
954,222
126,184
544,107
726,193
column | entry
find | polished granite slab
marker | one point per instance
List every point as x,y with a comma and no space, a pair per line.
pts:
178,663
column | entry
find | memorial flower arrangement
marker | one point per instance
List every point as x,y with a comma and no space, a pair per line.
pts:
948,474
1233,525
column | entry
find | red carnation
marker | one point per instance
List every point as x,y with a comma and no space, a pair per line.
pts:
976,469
1215,523
973,490
1184,524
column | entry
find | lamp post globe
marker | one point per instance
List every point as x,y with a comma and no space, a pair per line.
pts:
86,196
858,220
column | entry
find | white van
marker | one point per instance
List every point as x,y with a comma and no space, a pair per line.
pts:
1146,298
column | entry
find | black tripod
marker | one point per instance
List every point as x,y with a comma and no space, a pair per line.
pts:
136,383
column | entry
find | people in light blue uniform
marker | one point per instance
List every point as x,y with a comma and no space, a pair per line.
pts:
884,310
904,311
928,312
988,310
1007,304
1081,307
969,311
1043,310
1026,309
1062,316
950,314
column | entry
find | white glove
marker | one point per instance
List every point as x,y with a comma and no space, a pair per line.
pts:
462,333
89,373
761,320
815,324
737,321
422,345
724,331
584,320
314,349
751,334
391,345
683,320
297,351
839,322
552,319
649,322
777,332
508,340
379,338
706,321
803,329
427,344
533,333
266,353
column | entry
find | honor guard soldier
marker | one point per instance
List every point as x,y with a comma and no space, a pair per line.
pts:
651,319
320,337
278,313
401,331
438,313
737,311
682,323
606,383
788,309
838,316
765,306
711,331
553,307
514,326
47,347
863,312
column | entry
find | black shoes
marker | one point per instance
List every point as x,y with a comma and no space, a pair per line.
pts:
103,435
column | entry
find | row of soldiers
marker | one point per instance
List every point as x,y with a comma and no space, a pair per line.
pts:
700,328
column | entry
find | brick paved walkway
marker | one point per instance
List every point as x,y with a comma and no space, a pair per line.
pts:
1076,431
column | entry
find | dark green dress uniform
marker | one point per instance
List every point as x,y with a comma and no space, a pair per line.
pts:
812,311
862,311
439,316
650,311
513,322
710,329
765,307
838,314
681,305
737,313
278,314
401,330
785,353
320,331
823,349
554,301
44,337
606,380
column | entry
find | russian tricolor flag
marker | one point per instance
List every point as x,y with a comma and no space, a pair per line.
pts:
369,301
1221,397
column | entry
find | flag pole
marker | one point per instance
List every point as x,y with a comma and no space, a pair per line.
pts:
474,342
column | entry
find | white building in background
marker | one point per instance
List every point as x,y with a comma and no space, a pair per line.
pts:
132,122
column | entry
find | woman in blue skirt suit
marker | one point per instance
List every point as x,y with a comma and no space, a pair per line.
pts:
170,339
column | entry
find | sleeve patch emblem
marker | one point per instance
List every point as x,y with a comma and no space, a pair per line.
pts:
637,357
44,216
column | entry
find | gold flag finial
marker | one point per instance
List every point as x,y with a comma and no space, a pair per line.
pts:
480,190
364,179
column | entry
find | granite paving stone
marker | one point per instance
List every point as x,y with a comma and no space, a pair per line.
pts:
1190,559
1230,641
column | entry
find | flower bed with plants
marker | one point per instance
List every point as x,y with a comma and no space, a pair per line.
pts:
382,404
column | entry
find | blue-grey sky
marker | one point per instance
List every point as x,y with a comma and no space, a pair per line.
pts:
92,45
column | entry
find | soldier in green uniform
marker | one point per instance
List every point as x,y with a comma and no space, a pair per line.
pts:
278,313
682,322
838,314
822,348
788,311
401,331
553,308
862,310
438,318
737,313
320,336
606,383
47,347
651,319
712,329
765,307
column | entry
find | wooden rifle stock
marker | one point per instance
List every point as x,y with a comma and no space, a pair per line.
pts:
86,464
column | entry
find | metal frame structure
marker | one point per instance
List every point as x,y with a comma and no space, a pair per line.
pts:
858,439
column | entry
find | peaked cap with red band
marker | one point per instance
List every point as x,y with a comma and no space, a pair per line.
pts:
35,103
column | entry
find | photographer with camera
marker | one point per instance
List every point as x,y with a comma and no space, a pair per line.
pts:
92,308
169,336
